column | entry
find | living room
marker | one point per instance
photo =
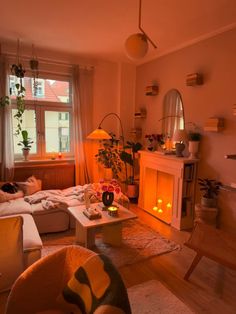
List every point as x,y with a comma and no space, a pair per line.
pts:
203,44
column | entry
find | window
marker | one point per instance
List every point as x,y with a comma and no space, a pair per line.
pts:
47,116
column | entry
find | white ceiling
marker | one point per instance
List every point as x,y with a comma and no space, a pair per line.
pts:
99,28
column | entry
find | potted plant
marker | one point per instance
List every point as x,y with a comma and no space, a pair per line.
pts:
210,188
26,143
193,143
129,158
109,156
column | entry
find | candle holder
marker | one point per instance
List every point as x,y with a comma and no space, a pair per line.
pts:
112,210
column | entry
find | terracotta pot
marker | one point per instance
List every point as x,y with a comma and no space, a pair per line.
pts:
208,202
132,190
108,175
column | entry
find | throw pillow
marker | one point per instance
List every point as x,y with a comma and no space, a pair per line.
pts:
97,284
5,197
30,186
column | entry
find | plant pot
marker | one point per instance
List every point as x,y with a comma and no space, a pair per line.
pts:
25,152
208,202
132,190
108,175
193,147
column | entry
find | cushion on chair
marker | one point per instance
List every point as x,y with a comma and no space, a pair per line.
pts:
97,286
11,250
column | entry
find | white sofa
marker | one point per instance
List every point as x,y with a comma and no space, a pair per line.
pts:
48,207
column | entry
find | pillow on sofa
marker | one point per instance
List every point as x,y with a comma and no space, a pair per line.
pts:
5,197
30,186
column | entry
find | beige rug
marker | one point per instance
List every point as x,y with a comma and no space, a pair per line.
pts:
152,297
139,242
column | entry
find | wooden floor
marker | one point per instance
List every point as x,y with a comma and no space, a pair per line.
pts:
210,289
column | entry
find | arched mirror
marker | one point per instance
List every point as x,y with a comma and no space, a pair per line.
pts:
173,113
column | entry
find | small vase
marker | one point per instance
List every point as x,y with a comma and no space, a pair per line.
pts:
25,152
193,147
107,198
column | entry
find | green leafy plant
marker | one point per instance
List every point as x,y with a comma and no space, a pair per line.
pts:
129,158
194,136
209,187
20,104
18,71
109,155
26,141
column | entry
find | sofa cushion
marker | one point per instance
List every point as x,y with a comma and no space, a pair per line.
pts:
30,186
31,238
14,207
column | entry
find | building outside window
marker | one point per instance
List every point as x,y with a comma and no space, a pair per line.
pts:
47,117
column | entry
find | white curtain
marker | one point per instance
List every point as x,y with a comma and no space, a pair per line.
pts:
7,151
82,117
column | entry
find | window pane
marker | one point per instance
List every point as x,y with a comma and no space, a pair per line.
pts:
57,131
28,124
46,90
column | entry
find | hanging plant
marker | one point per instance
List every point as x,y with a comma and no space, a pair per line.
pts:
18,71
20,104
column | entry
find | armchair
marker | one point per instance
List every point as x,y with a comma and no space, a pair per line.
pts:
11,251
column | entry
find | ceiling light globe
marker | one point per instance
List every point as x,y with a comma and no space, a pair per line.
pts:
136,46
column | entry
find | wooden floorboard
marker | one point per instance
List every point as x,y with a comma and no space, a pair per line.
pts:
211,288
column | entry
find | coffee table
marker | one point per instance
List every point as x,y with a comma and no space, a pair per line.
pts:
109,226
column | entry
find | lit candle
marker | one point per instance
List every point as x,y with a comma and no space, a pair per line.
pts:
168,206
59,155
159,201
160,210
112,210
155,208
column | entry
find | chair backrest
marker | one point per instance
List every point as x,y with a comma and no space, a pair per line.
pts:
11,250
37,289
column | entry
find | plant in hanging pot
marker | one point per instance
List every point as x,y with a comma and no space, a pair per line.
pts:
129,158
26,143
210,188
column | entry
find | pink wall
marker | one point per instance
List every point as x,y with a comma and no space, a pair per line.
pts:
215,58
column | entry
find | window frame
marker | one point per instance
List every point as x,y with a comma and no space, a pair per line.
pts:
40,106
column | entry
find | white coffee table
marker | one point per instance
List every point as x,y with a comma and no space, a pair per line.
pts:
111,227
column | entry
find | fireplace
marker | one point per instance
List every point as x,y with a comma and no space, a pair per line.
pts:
167,188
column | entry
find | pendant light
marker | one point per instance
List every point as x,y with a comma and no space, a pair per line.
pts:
137,44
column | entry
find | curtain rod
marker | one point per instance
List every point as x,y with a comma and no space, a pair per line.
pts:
49,61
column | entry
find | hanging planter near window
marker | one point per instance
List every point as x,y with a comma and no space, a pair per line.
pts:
34,66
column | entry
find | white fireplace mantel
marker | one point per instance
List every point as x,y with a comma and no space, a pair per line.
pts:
183,171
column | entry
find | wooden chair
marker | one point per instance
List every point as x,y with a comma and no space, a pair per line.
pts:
216,244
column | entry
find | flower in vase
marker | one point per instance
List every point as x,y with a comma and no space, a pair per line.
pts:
111,186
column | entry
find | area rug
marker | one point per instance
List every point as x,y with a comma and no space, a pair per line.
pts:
139,242
152,297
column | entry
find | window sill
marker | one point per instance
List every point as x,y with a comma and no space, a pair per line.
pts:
43,162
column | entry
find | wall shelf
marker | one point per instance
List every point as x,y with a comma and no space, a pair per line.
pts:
151,90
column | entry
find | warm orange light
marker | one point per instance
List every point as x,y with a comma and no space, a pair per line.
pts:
168,205
155,208
160,210
159,201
